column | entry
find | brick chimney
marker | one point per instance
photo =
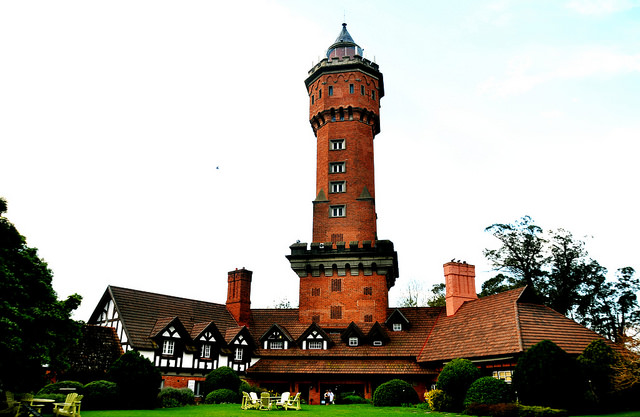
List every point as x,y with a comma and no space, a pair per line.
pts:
239,295
460,279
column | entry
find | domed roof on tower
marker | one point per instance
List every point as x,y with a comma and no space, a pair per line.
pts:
344,45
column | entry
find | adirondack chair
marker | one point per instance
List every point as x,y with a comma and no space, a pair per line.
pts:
70,407
265,401
13,406
293,403
283,399
249,402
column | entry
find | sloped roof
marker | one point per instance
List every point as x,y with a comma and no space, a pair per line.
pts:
503,324
339,366
140,311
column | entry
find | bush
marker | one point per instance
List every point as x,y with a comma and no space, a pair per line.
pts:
223,377
488,390
597,362
438,400
350,398
75,386
221,396
101,395
455,379
547,376
394,393
535,411
247,387
172,397
495,410
137,378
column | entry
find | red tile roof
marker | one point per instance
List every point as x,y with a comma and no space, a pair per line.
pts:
338,366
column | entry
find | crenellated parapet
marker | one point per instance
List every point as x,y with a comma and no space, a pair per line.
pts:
340,64
358,258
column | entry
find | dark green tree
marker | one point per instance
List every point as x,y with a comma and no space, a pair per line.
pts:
222,377
598,362
138,380
455,379
36,327
438,298
547,376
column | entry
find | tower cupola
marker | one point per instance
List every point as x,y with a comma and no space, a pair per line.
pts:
344,45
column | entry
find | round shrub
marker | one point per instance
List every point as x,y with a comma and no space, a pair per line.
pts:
223,377
394,393
138,380
221,396
74,386
352,399
438,400
172,397
488,390
455,379
101,395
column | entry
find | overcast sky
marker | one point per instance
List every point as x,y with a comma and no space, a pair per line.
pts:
157,145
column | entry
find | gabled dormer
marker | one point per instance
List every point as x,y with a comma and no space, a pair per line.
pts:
241,345
353,336
170,337
397,322
314,338
276,337
207,339
377,336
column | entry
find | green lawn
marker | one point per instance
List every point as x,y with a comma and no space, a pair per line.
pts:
226,410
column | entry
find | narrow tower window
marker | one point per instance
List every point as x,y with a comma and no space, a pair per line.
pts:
362,90
373,94
330,90
336,167
337,144
337,211
336,285
337,187
351,88
320,93
336,312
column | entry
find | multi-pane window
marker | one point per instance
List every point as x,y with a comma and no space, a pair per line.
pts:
205,352
315,344
276,344
336,167
336,285
168,347
337,211
238,354
336,144
315,292
397,327
351,88
330,90
353,341
504,375
337,237
336,312
337,187
368,290
368,318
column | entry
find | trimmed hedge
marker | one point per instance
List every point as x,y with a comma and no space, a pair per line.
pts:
77,387
488,390
495,410
221,396
173,397
101,395
394,393
455,379
222,377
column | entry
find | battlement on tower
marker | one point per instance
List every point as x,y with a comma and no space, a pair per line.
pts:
345,64
366,258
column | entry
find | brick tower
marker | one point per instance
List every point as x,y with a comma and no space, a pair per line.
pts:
346,274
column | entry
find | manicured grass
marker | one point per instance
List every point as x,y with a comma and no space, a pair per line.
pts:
233,410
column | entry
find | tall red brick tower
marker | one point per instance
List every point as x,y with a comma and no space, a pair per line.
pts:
346,274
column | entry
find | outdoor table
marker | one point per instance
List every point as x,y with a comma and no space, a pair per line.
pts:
38,403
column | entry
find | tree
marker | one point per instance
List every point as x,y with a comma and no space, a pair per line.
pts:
559,269
439,295
138,380
598,362
413,295
36,327
455,379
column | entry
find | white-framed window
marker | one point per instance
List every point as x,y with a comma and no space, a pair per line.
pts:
336,167
397,327
276,344
337,211
315,344
336,144
503,375
238,354
205,352
337,186
168,347
353,341
377,343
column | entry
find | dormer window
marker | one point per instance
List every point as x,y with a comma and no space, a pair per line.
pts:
276,344
315,344
205,352
168,347
353,341
377,343
238,354
397,327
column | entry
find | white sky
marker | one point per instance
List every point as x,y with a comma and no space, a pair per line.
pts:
158,145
